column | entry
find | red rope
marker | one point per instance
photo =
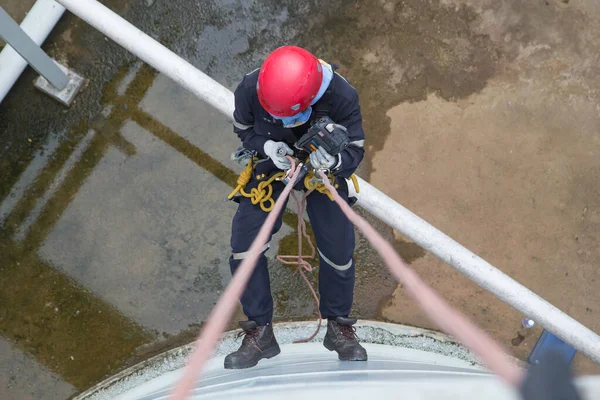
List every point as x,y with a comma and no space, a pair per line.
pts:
300,259
223,310
450,320
440,312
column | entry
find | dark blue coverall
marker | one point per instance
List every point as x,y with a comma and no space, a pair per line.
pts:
333,231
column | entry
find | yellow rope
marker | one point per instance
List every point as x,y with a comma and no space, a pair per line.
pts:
311,182
355,183
262,194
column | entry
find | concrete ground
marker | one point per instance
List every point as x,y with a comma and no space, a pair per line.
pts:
481,117
511,170
115,235
17,9
21,377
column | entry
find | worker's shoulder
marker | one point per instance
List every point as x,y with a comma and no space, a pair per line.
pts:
246,89
343,91
250,80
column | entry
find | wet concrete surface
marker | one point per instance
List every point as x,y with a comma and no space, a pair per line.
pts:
17,9
120,240
510,171
21,377
129,250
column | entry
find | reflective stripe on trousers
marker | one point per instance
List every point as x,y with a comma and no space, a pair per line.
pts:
241,256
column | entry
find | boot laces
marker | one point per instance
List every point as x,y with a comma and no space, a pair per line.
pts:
249,336
348,331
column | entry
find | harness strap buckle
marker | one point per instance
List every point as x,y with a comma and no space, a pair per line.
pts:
243,156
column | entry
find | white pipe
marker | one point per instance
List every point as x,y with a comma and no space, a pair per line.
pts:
478,270
38,24
371,199
153,53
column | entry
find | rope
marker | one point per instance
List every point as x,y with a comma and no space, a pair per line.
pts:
312,184
223,310
440,312
300,260
434,306
262,194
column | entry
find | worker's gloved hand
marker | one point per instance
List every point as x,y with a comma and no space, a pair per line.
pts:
277,151
321,159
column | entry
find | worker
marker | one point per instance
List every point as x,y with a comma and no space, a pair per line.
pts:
274,106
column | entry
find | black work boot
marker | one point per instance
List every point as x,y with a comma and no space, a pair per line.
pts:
259,342
341,337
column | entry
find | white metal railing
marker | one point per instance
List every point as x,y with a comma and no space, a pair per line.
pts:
370,198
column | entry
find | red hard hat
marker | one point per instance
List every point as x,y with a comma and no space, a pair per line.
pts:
288,81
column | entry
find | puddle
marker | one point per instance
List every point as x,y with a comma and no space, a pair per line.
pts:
399,51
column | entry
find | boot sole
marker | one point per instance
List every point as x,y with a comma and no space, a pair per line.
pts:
268,353
342,357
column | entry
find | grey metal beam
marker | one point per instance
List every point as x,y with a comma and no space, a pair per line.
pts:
12,33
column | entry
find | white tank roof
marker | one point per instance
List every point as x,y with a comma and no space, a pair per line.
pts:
397,369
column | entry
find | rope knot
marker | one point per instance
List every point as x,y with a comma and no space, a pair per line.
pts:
245,176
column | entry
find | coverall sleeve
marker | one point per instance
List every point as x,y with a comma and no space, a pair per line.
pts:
351,118
243,120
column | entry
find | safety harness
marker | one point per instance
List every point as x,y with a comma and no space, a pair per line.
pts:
263,193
